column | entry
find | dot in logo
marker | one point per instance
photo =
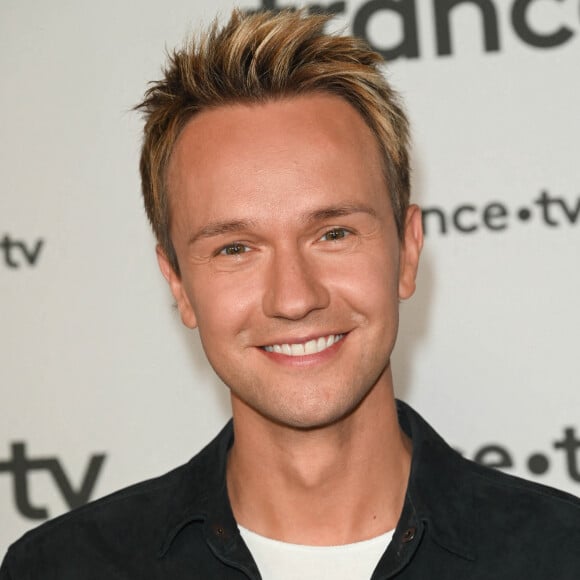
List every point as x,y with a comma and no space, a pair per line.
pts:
524,214
538,463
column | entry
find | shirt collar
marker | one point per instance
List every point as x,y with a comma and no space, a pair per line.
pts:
438,493
200,493
439,487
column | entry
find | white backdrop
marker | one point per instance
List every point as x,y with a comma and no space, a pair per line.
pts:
93,360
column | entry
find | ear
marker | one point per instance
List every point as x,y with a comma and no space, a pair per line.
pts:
411,246
176,286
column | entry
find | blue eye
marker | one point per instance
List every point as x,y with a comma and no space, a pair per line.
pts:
234,249
335,234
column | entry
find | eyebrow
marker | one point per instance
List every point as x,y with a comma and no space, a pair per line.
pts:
214,229
218,228
335,211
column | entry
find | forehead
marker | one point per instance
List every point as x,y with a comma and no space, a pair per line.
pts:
257,152
318,112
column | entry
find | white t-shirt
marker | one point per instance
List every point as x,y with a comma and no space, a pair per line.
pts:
282,561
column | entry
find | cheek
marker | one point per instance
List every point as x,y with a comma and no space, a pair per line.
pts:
223,304
370,281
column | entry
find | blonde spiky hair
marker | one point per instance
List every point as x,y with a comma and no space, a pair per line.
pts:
260,57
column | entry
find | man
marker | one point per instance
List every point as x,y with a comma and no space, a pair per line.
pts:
275,175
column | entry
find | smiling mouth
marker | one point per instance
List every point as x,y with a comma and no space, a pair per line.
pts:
313,346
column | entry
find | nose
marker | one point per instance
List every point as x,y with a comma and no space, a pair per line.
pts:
295,286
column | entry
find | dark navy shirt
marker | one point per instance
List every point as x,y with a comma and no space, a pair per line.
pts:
460,521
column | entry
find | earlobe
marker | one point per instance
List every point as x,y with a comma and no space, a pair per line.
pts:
410,251
177,290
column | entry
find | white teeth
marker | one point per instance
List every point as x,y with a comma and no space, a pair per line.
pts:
300,349
297,349
311,347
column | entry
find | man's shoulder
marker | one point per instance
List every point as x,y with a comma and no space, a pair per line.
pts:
496,489
494,498
497,524
128,525
512,515
136,511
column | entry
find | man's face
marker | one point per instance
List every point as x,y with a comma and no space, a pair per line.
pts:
290,263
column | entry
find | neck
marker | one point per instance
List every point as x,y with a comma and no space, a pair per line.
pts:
333,485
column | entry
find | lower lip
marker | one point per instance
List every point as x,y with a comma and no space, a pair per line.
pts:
307,359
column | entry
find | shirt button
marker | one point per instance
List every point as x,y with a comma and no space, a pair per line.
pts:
409,535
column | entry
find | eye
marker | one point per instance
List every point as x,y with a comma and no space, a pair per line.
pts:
335,234
234,249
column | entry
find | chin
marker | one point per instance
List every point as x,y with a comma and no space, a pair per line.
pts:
311,414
